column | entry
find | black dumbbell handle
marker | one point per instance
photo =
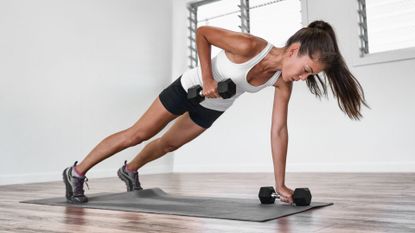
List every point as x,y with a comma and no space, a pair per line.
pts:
201,92
275,195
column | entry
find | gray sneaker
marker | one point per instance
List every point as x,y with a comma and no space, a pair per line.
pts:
130,178
74,186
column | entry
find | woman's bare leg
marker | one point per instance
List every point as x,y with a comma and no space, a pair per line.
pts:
152,122
183,131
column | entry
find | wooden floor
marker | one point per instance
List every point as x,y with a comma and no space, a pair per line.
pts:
363,202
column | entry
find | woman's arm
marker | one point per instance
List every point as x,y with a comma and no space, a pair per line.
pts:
279,131
279,155
234,43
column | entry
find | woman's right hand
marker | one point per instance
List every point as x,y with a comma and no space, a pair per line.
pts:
286,194
210,89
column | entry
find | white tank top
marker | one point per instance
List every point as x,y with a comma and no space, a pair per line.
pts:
222,69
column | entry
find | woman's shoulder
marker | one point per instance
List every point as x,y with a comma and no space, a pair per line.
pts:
256,46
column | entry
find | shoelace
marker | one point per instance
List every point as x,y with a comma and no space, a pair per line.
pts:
79,185
136,183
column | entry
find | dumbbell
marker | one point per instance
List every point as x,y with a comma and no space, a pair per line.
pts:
226,90
301,196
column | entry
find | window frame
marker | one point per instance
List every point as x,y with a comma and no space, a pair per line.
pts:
192,8
367,58
244,9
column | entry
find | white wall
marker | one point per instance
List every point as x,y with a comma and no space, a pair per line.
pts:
321,137
72,73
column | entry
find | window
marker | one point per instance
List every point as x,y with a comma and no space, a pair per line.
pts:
273,20
386,25
222,14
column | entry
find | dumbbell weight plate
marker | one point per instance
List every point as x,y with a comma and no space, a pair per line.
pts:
265,195
302,197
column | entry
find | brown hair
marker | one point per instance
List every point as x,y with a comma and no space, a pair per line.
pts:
318,40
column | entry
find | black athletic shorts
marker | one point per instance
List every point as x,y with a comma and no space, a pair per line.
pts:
174,99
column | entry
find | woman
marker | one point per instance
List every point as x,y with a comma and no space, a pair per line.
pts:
253,64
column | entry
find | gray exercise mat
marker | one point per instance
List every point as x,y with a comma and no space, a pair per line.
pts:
157,201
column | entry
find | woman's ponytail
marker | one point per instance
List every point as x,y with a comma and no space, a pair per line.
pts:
318,40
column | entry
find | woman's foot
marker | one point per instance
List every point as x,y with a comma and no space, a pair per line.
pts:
74,185
130,178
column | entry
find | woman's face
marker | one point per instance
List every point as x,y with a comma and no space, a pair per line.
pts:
295,68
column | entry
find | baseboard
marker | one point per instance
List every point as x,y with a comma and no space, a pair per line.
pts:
301,167
57,176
